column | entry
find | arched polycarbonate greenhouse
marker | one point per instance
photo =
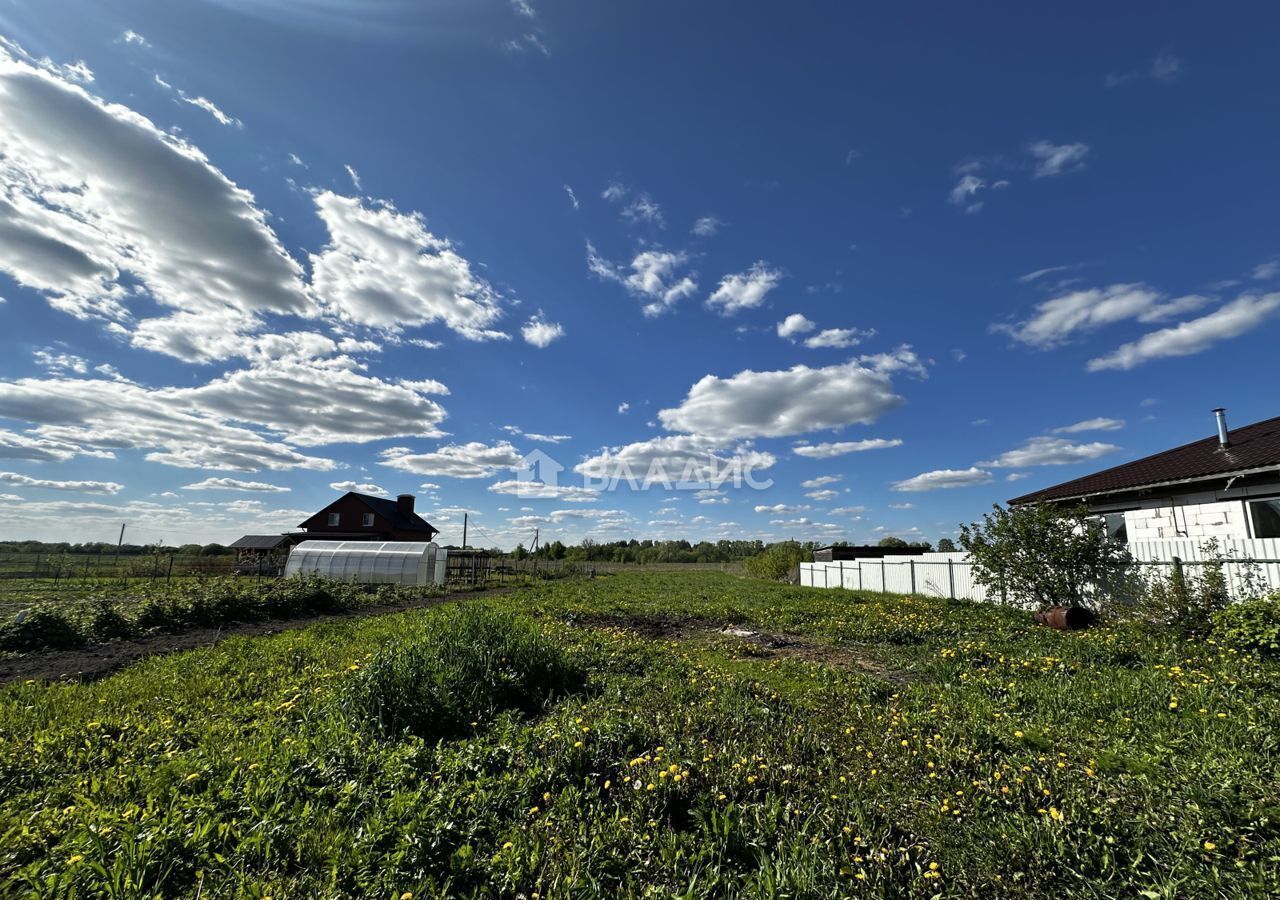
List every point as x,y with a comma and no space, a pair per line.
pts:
369,562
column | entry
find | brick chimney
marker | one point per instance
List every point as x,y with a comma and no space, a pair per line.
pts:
404,505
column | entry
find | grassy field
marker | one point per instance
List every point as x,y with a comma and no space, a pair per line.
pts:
606,736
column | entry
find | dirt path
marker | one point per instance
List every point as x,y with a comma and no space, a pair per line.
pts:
90,663
762,645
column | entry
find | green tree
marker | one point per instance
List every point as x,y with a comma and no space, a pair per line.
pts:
777,560
891,541
946,545
1046,555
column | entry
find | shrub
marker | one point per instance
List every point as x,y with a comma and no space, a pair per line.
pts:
1190,596
1047,555
460,669
777,561
40,630
107,624
1251,625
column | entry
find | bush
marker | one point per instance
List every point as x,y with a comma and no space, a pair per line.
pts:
107,624
40,630
1046,555
1251,625
776,562
460,669
1190,596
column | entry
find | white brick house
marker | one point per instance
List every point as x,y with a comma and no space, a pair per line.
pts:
1226,486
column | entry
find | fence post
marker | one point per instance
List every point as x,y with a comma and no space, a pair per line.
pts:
951,578
842,574
883,587
912,564
826,577
859,576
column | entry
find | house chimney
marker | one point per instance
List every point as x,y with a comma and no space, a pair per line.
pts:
404,505
1221,415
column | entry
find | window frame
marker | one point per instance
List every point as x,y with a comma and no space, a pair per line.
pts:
335,519
1273,504
366,521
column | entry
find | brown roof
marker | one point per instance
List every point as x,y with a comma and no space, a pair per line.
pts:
1255,446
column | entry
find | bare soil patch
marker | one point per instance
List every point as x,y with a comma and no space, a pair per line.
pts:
755,644
99,660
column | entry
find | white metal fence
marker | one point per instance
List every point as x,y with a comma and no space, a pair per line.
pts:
951,574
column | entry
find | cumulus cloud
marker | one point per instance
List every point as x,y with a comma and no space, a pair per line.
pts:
781,403
15,479
534,436
1099,424
941,479
234,484
687,459
42,449
470,460
82,222
359,488
1049,451
793,325
539,332
1195,336
821,495
654,276
837,338
706,226
537,490
1057,320
744,290
780,509
1057,159
821,481
384,269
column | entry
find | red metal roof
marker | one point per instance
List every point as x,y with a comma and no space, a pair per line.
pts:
1255,446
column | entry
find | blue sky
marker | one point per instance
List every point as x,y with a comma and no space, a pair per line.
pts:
901,261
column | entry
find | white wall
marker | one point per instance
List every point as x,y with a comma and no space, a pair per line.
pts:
1226,519
951,574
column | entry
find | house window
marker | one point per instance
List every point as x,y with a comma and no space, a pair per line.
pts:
1116,528
368,520
334,519
1266,518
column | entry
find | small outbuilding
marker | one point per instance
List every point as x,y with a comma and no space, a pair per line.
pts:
405,563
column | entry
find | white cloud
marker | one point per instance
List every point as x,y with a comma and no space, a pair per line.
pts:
706,226
531,40
1040,273
965,190
81,219
359,488
132,37
644,210
940,479
675,459
234,484
623,408
1195,336
1166,68
212,109
15,479
1058,319
383,268
41,449
523,8
902,506
539,332
745,290
795,324
1049,451
826,494
537,490
837,338
1099,424
779,509
827,450
848,511
60,362
1267,270
542,438
1016,476
1057,159
470,460
654,276
573,198
821,481
781,403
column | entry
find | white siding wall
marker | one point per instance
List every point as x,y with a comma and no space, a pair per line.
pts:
951,574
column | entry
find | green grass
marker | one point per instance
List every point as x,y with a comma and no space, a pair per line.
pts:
912,734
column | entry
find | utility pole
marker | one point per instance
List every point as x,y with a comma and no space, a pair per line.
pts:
464,531
534,546
120,543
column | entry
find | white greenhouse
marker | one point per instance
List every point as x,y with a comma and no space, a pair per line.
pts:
370,562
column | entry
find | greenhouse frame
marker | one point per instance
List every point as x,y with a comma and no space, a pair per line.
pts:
406,563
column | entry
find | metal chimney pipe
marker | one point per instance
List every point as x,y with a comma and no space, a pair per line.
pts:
1221,415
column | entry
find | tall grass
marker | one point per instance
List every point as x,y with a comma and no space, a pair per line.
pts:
456,671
